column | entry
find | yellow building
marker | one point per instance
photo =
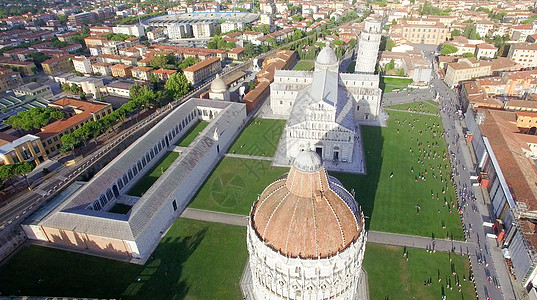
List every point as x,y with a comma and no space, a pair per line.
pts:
56,65
25,67
15,150
526,122
202,70
524,54
121,70
79,112
465,69
424,31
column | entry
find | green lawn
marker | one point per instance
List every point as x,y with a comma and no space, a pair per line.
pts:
350,67
391,203
192,134
391,276
235,184
304,65
152,175
389,84
185,265
420,106
259,138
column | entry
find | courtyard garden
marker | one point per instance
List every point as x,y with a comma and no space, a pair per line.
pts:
304,65
152,175
259,138
388,84
195,260
235,184
408,273
192,134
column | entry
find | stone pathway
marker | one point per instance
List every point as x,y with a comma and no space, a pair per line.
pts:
373,236
249,156
411,112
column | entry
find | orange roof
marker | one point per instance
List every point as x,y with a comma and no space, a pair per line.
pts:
202,64
120,66
165,71
61,125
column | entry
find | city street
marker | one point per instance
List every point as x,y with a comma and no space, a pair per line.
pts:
490,271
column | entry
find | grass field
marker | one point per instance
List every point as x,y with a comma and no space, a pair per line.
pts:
389,84
304,65
152,175
185,265
391,276
192,134
259,138
392,203
350,67
420,106
235,184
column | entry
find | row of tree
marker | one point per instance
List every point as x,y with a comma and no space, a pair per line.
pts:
8,172
170,62
34,118
142,97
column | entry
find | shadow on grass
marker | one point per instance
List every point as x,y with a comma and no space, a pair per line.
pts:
161,277
365,186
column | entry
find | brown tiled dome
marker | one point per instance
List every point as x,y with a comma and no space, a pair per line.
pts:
306,213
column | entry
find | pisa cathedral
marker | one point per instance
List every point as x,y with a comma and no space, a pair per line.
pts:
324,106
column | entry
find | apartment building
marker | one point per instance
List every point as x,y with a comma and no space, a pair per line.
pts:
465,69
143,73
202,29
524,54
424,31
121,70
79,113
82,64
164,74
9,79
25,67
56,65
202,70
102,68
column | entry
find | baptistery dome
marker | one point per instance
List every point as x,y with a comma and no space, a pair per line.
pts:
218,85
306,237
307,213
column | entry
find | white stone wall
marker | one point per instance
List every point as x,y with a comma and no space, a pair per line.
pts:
276,277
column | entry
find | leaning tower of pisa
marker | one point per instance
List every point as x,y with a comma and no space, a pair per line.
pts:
368,47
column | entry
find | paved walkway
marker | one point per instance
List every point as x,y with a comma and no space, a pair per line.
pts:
372,236
249,156
410,112
216,217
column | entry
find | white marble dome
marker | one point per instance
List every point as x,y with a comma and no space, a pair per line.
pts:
218,85
308,161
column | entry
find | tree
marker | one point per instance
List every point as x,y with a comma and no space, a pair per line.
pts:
37,57
34,118
24,168
456,32
448,49
161,61
187,62
251,85
468,54
389,44
177,85
69,142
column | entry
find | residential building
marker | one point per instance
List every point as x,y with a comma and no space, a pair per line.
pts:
524,54
179,30
27,148
9,79
267,19
67,37
202,29
143,73
25,67
82,18
485,50
102,68
231,25
202,70
56,65
121,70
82,64
119,88
465,69
155,34
136,29
32,90
91,86
79,113
526,122
424,31
163,74
236,53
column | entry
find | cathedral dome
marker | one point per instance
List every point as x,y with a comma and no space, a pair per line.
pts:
326,57
307,214
218,85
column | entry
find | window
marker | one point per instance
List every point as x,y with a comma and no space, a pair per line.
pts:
125,179
103,200
174,204
55,139
109,194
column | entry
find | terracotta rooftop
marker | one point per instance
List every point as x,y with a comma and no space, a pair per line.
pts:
202,64
313,220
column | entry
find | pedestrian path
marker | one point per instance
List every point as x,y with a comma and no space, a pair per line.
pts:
386,238
249,156
411,112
